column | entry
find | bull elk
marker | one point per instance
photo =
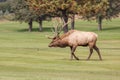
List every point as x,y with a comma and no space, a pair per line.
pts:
74,38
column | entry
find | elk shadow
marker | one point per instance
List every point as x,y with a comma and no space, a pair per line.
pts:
81,59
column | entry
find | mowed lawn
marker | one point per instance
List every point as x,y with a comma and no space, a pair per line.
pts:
26,56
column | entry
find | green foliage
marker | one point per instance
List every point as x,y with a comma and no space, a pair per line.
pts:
6,15
59,8
55,7
21,11
85,8
92,8
4,6
114,9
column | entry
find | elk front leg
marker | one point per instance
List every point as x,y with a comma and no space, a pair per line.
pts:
72,52
91,51
97,50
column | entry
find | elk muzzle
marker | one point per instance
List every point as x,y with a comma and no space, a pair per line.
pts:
50,45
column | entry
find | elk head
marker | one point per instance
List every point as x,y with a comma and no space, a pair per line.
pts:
56,30
56,40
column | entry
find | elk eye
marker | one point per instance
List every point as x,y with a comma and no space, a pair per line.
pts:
54,38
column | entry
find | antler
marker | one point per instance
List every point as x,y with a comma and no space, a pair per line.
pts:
64,23
57,28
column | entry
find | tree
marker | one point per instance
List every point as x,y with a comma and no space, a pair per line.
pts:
112,11
59,8
99,10
40,20
114,8
94,9
22,13
88,9
4,6
64,8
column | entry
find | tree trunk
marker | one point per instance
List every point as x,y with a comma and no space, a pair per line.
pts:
40,25
65,18
73,22
99,23
30,25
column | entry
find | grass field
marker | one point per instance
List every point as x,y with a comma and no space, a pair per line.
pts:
26,56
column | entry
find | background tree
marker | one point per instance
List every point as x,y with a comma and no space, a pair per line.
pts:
40,19
22,13
94,9
59,8
99,10
88,9
114,9
4,5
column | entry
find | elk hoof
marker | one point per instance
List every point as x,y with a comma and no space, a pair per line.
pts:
88,59
77,59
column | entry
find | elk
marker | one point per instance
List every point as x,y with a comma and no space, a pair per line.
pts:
75,38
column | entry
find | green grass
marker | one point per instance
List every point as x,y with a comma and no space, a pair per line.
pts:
26,56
